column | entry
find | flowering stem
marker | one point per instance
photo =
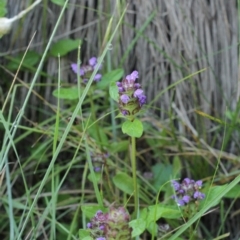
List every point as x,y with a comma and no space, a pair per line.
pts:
134,174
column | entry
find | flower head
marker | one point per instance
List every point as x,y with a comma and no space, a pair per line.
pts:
131,96
111,225
85,71
187,191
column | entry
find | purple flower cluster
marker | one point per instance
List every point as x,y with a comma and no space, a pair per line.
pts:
85,71
98,225
187,191
131,96
111,225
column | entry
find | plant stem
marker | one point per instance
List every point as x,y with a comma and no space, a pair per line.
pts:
134,174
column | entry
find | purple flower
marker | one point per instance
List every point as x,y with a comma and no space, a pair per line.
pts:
98,77
125,98
85,71
131,96
187,181
198,195
99,212
180,202
92,61
97,169
124,112
133,76
101,238
176,185
137,85
187,191
198,184
186,198
138,93
89,225
142,100
74,67
102,227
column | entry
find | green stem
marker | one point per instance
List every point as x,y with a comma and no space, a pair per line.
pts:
134,172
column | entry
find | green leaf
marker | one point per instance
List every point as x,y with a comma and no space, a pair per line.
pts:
66,93
30,60
64,46
133,128
110,77
58,2
162,173
119,146
160,211
123,182
90,211
234,192
92,178
87,238
98,133
211,196
138,226
113,91
83,233
3,9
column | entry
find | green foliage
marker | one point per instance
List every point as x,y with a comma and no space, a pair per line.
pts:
150,215
67,93
63,47
113,91
123,182
133,128
29,60
90,211
3,9
110,78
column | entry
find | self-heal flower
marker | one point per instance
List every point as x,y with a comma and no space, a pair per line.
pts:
85,71
131,96
198,195
110,226
187,191
92,61
125,98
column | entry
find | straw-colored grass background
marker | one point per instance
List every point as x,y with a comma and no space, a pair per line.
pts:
184,36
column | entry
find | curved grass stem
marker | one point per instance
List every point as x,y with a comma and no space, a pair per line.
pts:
134,175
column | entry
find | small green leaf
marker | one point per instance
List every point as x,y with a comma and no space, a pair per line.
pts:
123,182
212,195
138,226
158,211
87,238
90,211
234,192
119,146
110,77
133,128
3,9
66,93
83,233
162,173
92,178
113,91
29,60
64,46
